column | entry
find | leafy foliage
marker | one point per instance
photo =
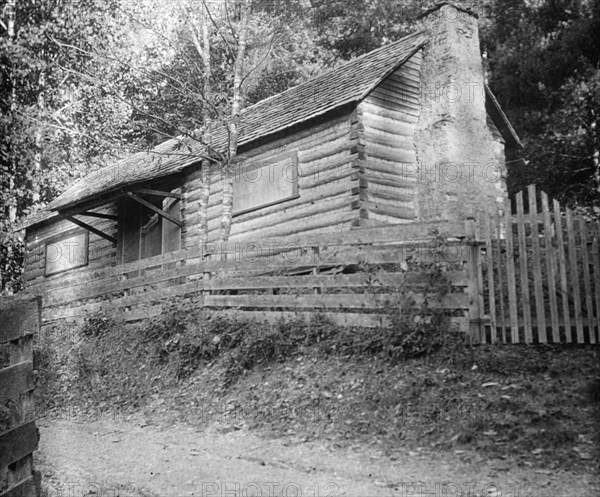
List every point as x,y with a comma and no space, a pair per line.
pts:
544,69
119,76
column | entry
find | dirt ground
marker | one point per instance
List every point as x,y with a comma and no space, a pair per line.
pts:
109,457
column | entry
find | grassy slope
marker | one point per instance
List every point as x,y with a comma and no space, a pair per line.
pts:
537,404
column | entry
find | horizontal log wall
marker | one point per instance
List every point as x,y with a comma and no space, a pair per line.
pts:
390,115
326,175
101,252
357,273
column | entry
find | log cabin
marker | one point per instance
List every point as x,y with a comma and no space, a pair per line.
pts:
409,132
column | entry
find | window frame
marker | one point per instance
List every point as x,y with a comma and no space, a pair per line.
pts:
53,240
293,154
142,228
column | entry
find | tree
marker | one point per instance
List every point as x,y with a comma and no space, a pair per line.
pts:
122,76
544,69
53,126
224,54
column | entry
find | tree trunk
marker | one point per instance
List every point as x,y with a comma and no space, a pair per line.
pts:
10,31
207,134
233,126
37,159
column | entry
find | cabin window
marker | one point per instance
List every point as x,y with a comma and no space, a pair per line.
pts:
66,251
144,233
259,184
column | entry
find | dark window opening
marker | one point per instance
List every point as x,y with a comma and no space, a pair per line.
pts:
144,233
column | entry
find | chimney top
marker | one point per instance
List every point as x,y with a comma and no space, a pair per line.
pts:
439,5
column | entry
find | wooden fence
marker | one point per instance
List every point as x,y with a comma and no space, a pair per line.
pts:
539,274
354,278
19,321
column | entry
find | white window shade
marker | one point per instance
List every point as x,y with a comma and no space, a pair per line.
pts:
70,251
258,184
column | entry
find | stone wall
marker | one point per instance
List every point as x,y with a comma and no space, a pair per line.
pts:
460,161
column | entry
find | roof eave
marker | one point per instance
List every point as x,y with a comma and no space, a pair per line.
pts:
505,127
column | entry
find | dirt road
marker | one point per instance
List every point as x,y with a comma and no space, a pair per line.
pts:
126,458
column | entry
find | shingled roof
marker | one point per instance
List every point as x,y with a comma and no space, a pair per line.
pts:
348,83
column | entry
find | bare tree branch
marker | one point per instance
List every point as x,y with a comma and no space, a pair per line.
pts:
212,19
197,91
256,66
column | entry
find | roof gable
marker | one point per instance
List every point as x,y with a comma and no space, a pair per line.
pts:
348,83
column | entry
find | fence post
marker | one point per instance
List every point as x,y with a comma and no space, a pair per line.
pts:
475,288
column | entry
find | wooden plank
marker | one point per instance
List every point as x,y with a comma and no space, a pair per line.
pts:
17,443
399,155
589,306
152,207
476,249
110,198
375,122
390,140
385,209
540,308
498,263
91,229
99,215
562,267
15,380
551,267
19,316
491,281
511,278
338,300
345,301
267,261
561,322
330,256
159,193
523,268
475,310
574,272
393,281
383,278
596,264
327,220
457,324
408,232
373,320
25,488
397,195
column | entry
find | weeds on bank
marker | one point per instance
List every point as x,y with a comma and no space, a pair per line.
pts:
106,362
415,382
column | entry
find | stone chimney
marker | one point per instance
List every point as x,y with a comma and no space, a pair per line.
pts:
460,164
